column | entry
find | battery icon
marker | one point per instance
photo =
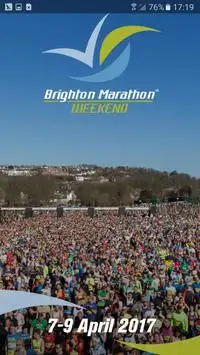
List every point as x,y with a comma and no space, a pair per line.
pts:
167,7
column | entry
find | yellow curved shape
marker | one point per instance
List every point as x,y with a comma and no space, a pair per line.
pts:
184,347
114,38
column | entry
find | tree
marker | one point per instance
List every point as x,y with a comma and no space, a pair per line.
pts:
13,190
2,196
86,194
70,178
185,191
146,195
104,200
172,195
39,189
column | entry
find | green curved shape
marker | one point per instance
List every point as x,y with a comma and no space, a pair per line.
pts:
184,347
114,38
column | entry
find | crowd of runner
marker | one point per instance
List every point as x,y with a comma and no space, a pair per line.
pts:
136,266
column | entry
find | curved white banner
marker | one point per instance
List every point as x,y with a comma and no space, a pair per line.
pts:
13,300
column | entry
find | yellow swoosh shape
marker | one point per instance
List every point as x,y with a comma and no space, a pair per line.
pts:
184,347
117,36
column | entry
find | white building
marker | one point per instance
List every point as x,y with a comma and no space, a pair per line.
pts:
18,172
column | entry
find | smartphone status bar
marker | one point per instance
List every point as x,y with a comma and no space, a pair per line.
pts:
113,6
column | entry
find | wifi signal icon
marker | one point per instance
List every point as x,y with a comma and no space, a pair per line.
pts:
134,7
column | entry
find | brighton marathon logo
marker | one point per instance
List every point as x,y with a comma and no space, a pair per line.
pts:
92,101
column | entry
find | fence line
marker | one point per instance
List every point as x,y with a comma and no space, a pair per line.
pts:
74,208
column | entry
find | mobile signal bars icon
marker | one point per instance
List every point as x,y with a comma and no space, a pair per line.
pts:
142,7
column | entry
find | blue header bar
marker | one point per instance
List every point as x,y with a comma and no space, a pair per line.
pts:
103,6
